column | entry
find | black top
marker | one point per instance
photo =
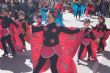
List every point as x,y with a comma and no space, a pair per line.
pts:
100,27
51,33
0,17
7,21
88,34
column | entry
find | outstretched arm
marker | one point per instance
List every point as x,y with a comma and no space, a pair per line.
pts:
68,31
94,27
37,29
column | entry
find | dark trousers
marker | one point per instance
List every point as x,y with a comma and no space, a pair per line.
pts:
82,48
101,46
21,36
53,64
8,39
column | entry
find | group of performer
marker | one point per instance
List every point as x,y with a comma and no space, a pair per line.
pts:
92,39
8,33
52,40
98,34
89,9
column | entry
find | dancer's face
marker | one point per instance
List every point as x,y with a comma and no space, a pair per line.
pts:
50,18
100,20
86,24
39,20
5,13
21,16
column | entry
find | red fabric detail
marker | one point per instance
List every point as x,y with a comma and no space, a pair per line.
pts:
5,31
66,65
16,41
93,48
66,50
59,6
89,9
106,35
20,29
98,34
47,51
27,34
95,45
86,41
15,38
0,33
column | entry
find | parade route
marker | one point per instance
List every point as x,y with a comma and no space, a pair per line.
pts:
21,63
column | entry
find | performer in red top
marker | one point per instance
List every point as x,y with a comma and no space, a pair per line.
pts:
22,27
89,9
50,42
87,38
6,34
101,34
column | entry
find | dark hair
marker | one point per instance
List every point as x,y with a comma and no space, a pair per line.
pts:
53,12
39,16
102,17
87,20
22,13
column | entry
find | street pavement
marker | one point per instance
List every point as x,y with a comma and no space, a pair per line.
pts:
21,63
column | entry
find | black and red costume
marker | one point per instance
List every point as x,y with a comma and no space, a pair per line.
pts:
50,46
22,30
6,34
87,38
101,30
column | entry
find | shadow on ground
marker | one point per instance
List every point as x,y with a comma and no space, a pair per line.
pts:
107,54
103,69
17,64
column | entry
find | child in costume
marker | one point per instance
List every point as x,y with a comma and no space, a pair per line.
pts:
22,27
87,38
6,34
101,32
50,42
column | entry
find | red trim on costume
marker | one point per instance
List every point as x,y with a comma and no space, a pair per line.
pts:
0,33
86,41
5,31
66,50
15,38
